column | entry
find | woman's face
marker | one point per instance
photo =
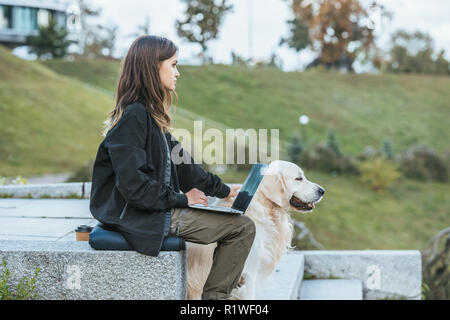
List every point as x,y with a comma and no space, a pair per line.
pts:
168,72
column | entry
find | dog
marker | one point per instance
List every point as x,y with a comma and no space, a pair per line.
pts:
284,187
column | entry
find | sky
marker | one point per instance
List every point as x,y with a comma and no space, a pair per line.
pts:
254,27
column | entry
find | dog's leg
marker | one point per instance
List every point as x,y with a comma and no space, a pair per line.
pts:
246,289
199,265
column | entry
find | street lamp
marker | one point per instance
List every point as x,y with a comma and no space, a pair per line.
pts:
303,120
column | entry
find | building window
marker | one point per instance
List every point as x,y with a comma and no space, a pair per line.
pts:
5,17
27,20
60,18
24,19
43,17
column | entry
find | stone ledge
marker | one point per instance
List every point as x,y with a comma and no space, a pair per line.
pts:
285,281
331,290
80,190
55,190
73,270
385,274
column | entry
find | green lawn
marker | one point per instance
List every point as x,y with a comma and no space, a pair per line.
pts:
51,117
49,123
363,109
353,217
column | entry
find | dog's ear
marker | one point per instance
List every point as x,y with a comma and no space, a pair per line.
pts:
273,187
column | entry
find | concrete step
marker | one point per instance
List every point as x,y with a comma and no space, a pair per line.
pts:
285,281
331,289
73,270
43,219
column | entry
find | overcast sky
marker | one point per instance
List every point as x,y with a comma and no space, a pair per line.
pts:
268,25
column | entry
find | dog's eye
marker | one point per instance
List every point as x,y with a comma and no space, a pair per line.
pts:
299,179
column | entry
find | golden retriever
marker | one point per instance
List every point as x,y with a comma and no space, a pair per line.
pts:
283,187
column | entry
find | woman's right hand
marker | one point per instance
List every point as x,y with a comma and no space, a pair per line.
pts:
196,196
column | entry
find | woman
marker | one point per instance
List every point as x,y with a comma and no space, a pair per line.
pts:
128,190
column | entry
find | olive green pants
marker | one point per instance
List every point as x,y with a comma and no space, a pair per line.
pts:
234,234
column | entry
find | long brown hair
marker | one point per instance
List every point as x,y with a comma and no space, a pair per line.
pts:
139,81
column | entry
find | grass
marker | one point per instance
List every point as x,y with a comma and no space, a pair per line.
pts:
52,114
363,109
49,123
353,217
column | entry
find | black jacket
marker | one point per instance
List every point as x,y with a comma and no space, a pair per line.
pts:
128,191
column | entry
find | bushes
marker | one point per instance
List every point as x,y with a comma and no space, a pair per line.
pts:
83,174
295,148
25,289
436,267
17,181
423,163
379,173
377,167
323,158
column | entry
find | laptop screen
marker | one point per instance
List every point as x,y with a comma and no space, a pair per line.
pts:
249,187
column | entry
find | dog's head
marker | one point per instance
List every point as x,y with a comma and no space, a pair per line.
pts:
285,184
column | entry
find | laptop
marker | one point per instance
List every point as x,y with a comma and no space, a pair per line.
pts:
245,194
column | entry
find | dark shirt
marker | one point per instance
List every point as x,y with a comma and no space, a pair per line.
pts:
128,190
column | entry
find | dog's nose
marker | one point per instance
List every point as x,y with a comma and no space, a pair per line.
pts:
321,191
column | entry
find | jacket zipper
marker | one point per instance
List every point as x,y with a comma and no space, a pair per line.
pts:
123,211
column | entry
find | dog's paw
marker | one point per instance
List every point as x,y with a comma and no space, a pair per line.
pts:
240,290
242,281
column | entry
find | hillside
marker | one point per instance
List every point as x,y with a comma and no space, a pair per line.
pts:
363,109
49,122
51,116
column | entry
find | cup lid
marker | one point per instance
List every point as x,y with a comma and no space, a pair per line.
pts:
83,228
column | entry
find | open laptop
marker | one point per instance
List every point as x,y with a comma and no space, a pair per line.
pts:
245,194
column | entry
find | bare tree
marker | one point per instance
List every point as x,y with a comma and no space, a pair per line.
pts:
436,267
338,29
202,21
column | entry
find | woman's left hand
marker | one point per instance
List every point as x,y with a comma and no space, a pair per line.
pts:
234,190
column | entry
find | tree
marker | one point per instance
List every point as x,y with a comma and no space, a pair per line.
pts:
145,27
413,52
86,13
274,61
238,60
95,40
339,30
202,21
387,149
332,143
295,149
436,267
50,41
142,29
299,37
441,65
100,41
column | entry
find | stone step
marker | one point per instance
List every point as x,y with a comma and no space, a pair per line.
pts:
54,190
73,270
285,281
385,274
331,289
43,219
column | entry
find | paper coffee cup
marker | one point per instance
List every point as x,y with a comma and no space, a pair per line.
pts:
82,232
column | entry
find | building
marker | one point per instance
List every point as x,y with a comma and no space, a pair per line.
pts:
20,18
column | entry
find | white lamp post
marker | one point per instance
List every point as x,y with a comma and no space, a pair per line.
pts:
303,120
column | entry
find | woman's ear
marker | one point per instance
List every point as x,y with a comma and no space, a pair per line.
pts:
273,188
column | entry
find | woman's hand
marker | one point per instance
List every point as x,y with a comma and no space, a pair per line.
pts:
233,191
196,196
